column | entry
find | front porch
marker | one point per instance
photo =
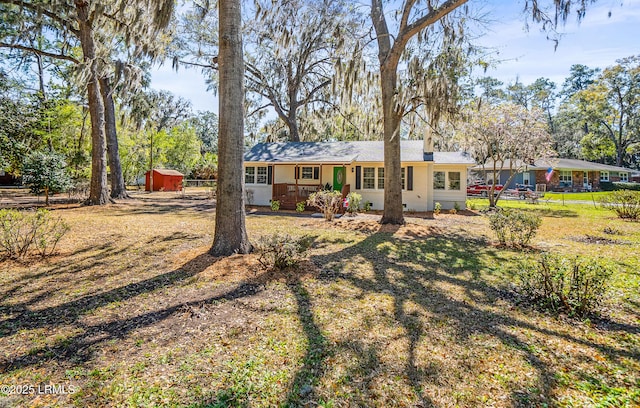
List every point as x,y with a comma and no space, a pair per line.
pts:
289,194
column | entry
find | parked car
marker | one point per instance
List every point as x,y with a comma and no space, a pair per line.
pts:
482,189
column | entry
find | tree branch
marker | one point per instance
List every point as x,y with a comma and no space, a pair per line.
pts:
426,20
22,4
39,52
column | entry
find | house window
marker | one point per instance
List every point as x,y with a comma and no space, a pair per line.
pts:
307,173
604,176
262,175
624,177
454,180
369,178
249,175
402,173
565,177
381,178
438,180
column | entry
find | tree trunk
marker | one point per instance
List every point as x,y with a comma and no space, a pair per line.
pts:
118,188
98,192
230,230
292,123
392,165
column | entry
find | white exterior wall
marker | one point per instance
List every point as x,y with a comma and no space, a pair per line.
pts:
422,198
447,198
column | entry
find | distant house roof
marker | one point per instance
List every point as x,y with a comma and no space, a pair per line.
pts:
574,164
556,163
346,152
167,172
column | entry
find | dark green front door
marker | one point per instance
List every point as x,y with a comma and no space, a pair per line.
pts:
339,176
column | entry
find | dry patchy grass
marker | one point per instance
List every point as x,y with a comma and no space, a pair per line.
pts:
134,312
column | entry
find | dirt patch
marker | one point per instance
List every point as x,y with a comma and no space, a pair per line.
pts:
593,239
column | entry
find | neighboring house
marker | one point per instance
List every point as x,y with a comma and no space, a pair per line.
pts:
566,175
164,180
289,172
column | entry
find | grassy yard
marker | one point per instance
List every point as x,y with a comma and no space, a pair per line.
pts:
595,196
134,312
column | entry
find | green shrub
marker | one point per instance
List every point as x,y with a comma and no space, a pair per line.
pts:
437,208
275,205
618,185
281,251
354,200
300,206
45,172
514,228
625,203
329,202
366,206
27,232
572,285
471,204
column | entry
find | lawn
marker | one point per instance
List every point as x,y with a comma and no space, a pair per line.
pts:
134,312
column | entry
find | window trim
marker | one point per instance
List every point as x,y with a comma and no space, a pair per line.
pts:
562,177
444,181
302,172
449,181
265,175
602,173
253,174
379,178
366,179
624,177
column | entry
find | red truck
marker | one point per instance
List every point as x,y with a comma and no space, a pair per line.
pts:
482,189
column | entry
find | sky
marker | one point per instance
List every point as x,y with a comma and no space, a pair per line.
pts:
609,31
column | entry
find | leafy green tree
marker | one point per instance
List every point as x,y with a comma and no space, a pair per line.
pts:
206,128
611,106
83,32
45,172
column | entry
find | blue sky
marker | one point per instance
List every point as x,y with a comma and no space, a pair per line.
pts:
598,41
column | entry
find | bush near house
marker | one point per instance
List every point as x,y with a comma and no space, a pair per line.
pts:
563,284
619,185
329,202
625,203
281,251
514,228
354,199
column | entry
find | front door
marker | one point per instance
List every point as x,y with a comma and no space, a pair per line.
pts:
339,176
585,180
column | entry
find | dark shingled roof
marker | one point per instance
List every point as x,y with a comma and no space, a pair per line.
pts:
345,152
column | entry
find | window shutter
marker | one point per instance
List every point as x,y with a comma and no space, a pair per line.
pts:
297,176
270,175
316,173
410,178
358,177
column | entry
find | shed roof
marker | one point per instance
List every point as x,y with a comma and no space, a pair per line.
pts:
168,172
346,152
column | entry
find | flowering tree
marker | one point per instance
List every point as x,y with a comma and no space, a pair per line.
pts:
505,136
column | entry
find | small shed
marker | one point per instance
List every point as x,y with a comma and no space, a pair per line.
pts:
164,180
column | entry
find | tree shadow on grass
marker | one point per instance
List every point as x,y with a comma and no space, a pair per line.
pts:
410,271
79,348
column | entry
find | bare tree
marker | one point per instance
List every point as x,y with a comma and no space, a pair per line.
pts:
505,137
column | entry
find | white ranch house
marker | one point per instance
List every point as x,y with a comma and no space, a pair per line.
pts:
289,172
